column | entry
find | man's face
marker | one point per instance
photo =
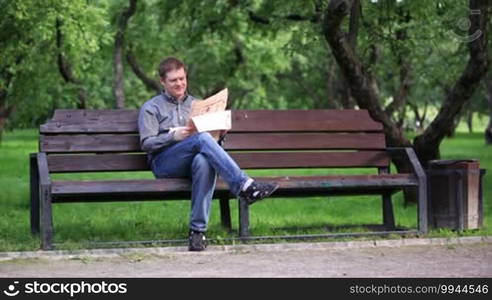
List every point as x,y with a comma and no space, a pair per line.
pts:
175,83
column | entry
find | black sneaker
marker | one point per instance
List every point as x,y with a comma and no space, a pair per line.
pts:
197,241
257,191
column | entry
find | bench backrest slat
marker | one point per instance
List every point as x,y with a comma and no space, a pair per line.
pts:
107,140
125,121
91,121
303,120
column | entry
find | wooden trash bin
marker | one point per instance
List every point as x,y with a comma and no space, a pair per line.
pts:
455,194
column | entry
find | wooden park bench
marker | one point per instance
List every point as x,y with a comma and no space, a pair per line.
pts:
76,141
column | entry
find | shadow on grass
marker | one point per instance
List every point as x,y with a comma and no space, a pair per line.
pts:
280,234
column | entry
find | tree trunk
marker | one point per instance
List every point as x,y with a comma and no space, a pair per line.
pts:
347,100
330,86
488,130
427,144
419,118
150,84
452,129
362,84
118,84
65,68
5,111
400,97
119,41
397,108
469,121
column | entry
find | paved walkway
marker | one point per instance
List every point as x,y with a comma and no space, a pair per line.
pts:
434,257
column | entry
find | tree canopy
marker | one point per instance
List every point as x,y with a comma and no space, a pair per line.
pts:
270,54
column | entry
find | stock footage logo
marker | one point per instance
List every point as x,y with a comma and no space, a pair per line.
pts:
70,288
460,32
12,290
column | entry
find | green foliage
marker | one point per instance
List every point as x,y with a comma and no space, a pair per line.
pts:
434,47
29,53
270,53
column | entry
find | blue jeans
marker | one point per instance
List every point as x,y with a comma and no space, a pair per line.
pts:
201,158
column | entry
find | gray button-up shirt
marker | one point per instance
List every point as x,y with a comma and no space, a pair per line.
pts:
156,117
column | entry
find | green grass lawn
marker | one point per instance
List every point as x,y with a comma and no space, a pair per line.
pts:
77,224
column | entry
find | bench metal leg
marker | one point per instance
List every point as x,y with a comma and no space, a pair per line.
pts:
46,218
422,207
34,185
225,212
422,190
388,215
243,218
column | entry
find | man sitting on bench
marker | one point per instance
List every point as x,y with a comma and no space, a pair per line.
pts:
175,150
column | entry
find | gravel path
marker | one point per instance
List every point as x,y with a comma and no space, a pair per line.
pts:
461,257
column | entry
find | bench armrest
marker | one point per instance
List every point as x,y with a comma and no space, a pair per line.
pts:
411,157
421,178
44,174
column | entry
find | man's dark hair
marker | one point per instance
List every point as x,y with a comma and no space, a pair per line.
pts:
170,64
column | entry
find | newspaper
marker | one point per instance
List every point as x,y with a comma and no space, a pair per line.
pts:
210,114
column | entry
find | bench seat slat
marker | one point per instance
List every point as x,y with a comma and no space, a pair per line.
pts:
239,141
247,160
175,187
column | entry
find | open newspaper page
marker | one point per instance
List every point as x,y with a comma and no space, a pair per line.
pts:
210,114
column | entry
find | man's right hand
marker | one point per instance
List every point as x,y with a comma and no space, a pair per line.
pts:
180,133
